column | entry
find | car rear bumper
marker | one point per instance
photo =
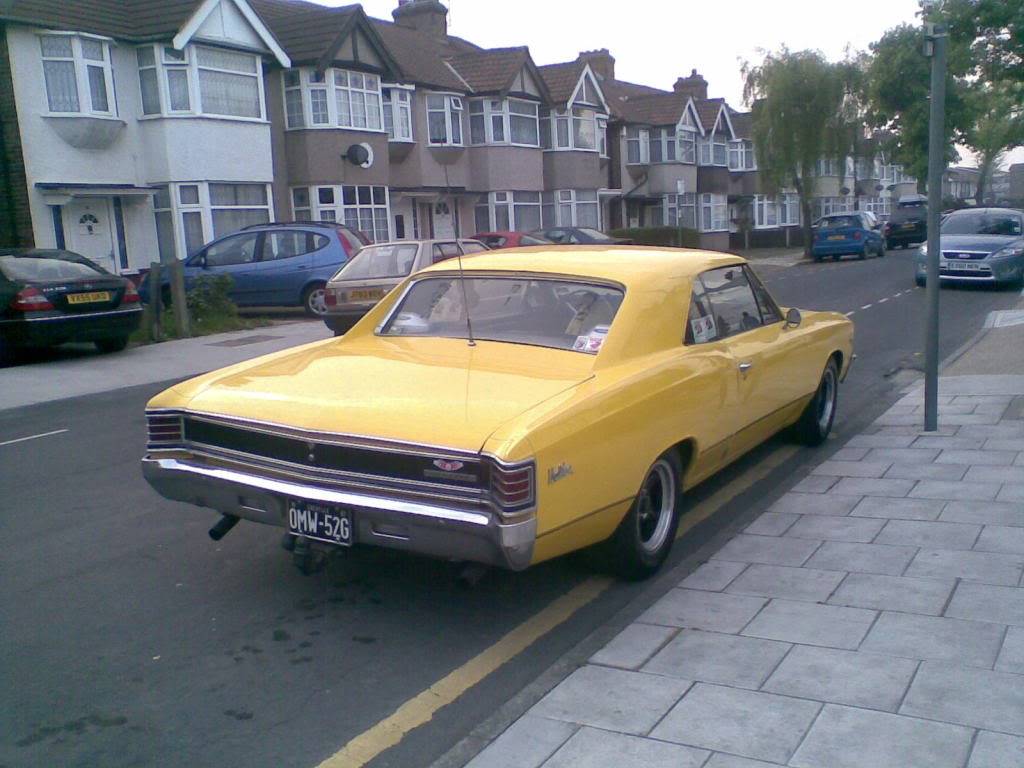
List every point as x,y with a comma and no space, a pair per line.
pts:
844,248
435,530
46,330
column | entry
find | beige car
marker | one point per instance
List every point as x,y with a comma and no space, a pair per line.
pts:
378,268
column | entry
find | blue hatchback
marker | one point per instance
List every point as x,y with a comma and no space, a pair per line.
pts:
278,264
855,234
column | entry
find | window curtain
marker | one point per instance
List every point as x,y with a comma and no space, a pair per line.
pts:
223,93
61,87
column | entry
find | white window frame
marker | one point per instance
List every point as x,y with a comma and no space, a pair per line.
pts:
714,212
396,107
640,138
452,108
665,141
81,66
497,113
674,203
334,82
766,212
602,137
567,201
550,121
349,213
686,138
741,156
508,201
789,210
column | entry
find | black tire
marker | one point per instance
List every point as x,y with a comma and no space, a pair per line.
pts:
817,259
920,281
816,421
863,252
111,345
313,300
644,537
837,257
881,249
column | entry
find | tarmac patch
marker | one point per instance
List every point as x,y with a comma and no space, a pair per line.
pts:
244,341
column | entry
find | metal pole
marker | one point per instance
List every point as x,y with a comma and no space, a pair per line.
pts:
936,166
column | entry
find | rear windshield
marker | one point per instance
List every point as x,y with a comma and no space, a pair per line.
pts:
46,266
530,240
982,224
838,222
547,313
380,261
593,233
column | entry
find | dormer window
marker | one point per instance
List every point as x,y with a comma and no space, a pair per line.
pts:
76,70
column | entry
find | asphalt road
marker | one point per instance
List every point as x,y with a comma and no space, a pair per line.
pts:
128,638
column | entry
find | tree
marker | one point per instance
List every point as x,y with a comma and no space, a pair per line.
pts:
998,127
796,99
993,33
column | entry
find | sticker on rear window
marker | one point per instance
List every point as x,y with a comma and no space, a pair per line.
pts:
703,329
592,342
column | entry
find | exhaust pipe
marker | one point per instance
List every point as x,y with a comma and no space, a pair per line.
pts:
225,524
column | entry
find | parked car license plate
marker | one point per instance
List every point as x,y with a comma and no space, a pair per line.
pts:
370,294
908,225
88,298
961,266
837,237
322,522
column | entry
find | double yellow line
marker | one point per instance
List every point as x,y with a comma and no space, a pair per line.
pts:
420,709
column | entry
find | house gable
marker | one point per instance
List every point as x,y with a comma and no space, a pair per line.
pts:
690,118
233,22
358,43
527,82
588,91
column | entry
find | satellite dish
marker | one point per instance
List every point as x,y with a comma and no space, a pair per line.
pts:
844,191
360,154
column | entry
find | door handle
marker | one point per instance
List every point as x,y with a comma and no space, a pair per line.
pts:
744,367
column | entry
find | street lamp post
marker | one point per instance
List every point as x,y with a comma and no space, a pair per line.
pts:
935,47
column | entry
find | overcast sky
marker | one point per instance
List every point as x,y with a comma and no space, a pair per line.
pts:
654,41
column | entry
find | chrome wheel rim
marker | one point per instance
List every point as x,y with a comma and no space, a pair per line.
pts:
656,506
317,302
827,398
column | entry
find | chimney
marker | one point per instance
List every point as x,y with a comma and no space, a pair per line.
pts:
694,85
427,16
601,61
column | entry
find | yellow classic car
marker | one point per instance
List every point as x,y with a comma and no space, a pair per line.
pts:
512,410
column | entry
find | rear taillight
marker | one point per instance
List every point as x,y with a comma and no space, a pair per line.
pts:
331,297
163,429
858,235
30,300
513,488
131,295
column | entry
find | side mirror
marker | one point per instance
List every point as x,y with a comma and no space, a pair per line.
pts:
793,317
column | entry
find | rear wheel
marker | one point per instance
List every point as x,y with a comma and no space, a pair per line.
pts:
837,257
920,281
314,300
863,252
816,421
112,345
645,536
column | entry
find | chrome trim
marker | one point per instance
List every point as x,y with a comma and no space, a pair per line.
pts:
327,496
108,313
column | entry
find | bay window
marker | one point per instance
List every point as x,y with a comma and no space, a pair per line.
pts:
236,206
363,207
357,98
508,211
766,212
741,156
571,208
200,80
714,150
584,128
444,119
294,114
77,75
714,213
637,146
229,83
504,121
579,128
332,98
189,214
662,145
681,210
397,103
687,145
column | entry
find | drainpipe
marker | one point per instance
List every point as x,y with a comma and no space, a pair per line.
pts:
625,218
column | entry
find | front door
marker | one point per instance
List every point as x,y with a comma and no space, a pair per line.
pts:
89,230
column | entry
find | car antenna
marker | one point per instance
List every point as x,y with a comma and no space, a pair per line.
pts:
465,298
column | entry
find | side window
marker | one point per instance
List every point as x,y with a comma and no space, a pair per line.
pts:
468,248
700,323
444,251
557,236
290,243
240,249
769,309
732,300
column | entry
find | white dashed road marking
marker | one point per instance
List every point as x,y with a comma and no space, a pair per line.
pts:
33,437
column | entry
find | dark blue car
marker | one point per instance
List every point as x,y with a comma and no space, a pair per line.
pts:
278,264
847,234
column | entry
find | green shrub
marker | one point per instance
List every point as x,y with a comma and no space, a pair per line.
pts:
663,236
208,300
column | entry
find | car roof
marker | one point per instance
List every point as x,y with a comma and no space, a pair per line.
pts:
412,241
625,264
279,224
962,211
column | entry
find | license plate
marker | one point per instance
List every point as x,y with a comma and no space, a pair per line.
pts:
322,522
88,298
908,225
961,266
837,237
366,295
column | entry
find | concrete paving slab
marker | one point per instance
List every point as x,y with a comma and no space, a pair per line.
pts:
843,677
822,527
785,581
811,624
927,471
976,457
849,453
862,558
899,509
720,760
613,699
922,533
933,638
893,593
527,743
815,484
763,726
633,646
703,610
1011,492
840,738
709,657
1004,430
954,490
772,524
770,550
713,576
976,697
987,602
1011,656
836,468
994,512
993,750
1004,444
862,486
593,748
983,567
993,474
881,441
1001,538
927,441
902,455
815,504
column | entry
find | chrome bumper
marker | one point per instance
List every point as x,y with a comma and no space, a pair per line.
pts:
438,531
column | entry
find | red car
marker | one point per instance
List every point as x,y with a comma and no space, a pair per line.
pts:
494,240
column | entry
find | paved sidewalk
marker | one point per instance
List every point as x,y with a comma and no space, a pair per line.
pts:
91,373
872,617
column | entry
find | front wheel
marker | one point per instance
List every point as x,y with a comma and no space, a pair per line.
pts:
314,300
816,421
645,536
920,281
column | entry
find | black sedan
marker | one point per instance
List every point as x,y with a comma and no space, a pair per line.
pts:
567,235
50,297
